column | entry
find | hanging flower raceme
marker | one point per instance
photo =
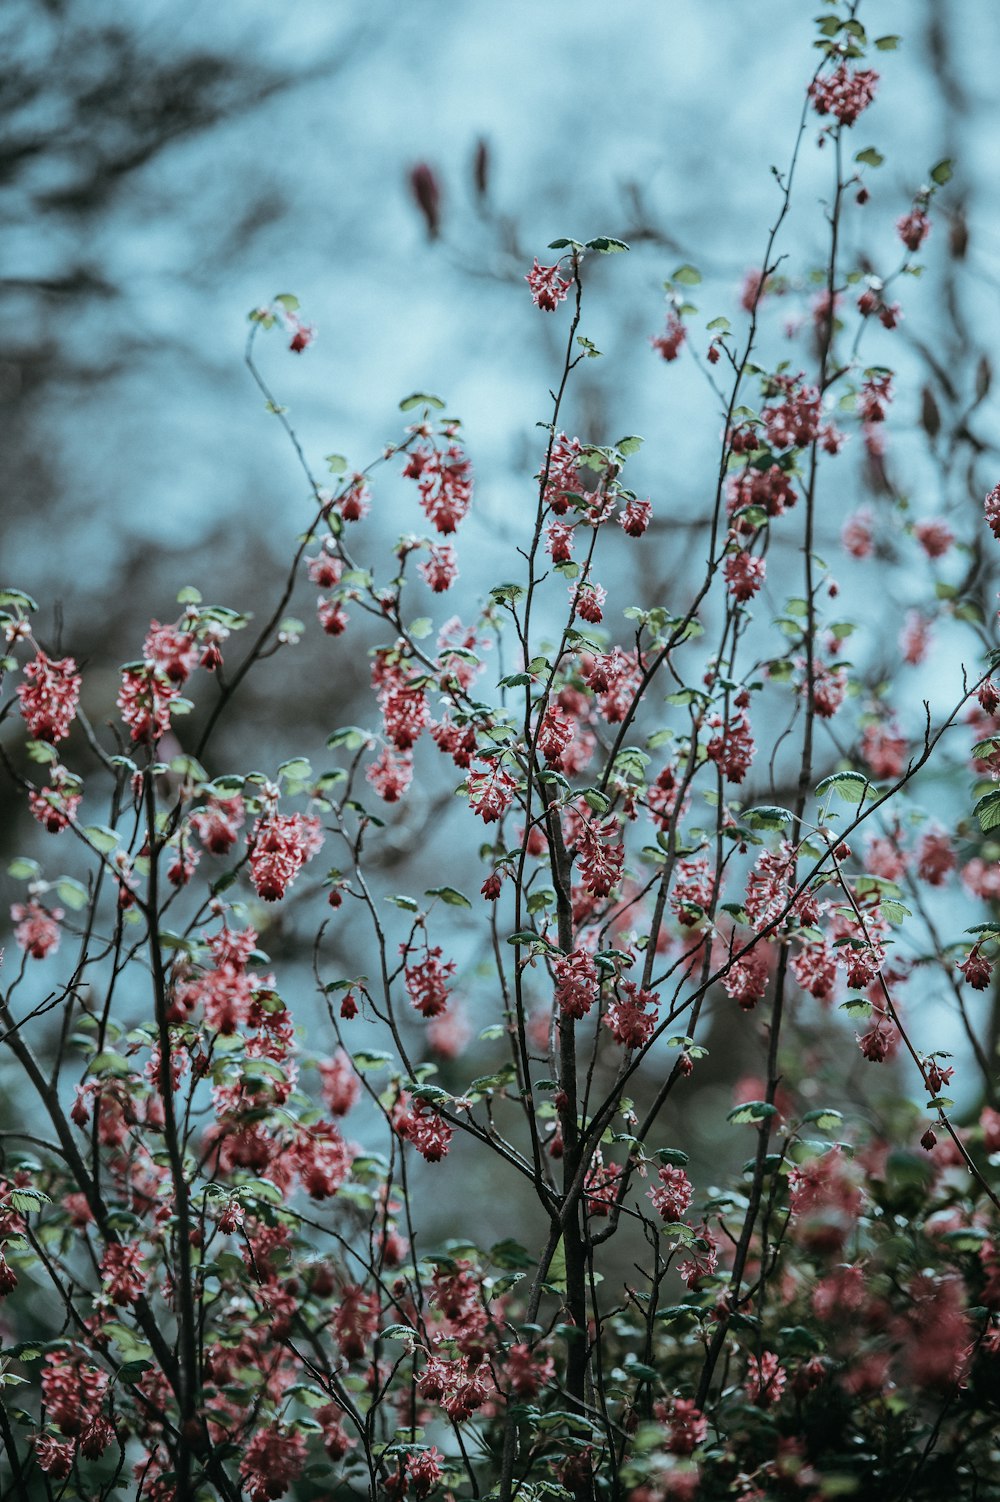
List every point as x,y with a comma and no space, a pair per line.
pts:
280,846
548,287
36,930
576,983
55,805
491,793
631,1016
444,480
49,696
600,855
845,93
673,1194
427,981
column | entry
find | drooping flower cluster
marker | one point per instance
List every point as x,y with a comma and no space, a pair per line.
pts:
280,846
48,696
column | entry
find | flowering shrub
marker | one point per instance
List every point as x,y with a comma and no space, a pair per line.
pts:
213,1254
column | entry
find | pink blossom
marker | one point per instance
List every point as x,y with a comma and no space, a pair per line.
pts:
441,567
548,288
635,517
856,533
915,637
49,696
391,774
444,480
631,1016
845,93
674,1194
280,846
732,747
427,982
669,344
36,929
172,652
991,507
744,575
977,969
273,1459
576,983
600,855
122,1272
55,806
914,228
935,537
935,857
491,793
884,749
765,1380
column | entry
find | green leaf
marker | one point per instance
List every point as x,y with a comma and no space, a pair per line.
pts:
297,769
18,599
421,627
349,736
942,172
751,1110
101,837
336,464
987,811
687,276
406,903
27,1201
630,444
597,801
719,326
563,244
189,595
397,1332
288,301
887,43
606,245
421,399
894,911
369,1060
827,1119
23,869
856,1008
869,157
853,787
506,1281
449,895
766,816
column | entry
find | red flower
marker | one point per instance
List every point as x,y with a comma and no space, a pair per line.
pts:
441,568
991,507
576,983
765,1380
744,575
636,517
844,93
491,793
390,775
674,1194
977,969
427,982
548,288
49,697
279,848
273,1459
444,479
914,228
670,343
36,930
